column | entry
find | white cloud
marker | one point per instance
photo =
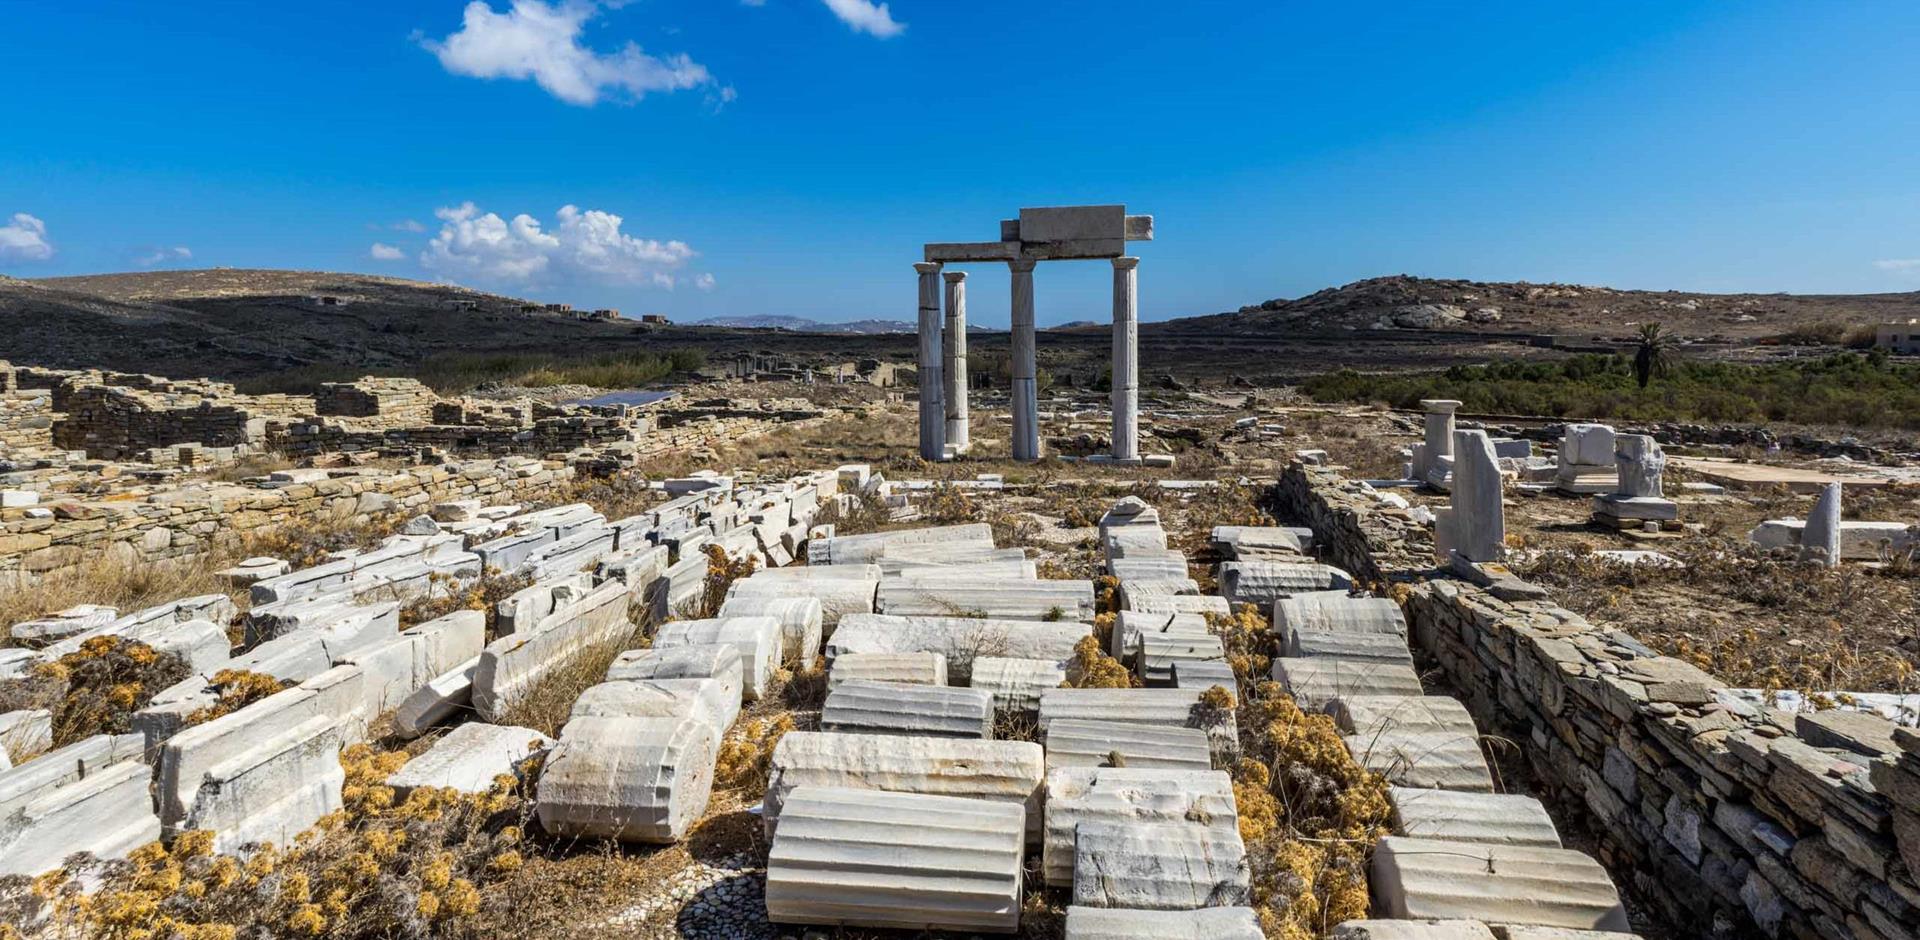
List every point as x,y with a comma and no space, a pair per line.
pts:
865,16
380,252
585,245
1899,264
25,238
161,255
407,225
541,41
703,281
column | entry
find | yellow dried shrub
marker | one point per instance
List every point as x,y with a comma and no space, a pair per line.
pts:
1092,668
237,688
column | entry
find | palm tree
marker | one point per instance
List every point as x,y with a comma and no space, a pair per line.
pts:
1653,354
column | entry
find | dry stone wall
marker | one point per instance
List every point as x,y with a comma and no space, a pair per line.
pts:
1733,821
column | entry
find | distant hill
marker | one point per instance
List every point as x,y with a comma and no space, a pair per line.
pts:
804,325
1402,302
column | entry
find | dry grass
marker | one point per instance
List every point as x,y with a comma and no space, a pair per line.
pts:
126,586
546,707
1754,619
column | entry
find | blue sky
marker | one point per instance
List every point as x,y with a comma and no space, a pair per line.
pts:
790,156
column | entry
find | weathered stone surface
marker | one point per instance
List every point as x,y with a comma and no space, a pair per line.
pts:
1016,684
1412,930
706,700
511,666
1128,795
1073,742
277,787
1148,567
913,861
757,639
1006,771
960,639
1820,540
1209,923
865,707
1171,708
1131,625
631,779
910,668
841,590
25,732
801,622
1337,613
1415,878
1474,526
1160,653
1440,760
66,623
1351,647
1247,541
524,608
1158,866
1200,604
440,699
1316,682
1263,582
871,547
469,757
398,668
718,661
1453,816
90,796
1371,714
230,743
966,596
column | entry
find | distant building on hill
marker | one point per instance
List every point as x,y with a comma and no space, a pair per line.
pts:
604,313
657,319
1902,338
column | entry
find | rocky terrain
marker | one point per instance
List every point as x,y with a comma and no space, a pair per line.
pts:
242,324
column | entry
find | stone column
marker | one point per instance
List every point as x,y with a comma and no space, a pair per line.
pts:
1439,439
954,362
1820,540
1126,365
1026,395
1475,525
933,413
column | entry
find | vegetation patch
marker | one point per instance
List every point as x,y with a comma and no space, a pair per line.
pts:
1840,389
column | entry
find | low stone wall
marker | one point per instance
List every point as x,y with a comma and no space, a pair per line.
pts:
189,521
26,420
1351,528
1732,821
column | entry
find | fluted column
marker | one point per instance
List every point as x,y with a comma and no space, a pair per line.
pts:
1126,366
933,413
954,362
1026,397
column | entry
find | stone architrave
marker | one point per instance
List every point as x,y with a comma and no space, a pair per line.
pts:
1475,526
1439,438
1820,541
1126,364
933,412
1025,392
954,362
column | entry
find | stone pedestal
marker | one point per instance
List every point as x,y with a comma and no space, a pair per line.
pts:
933,412
1639,464
1025,398
1126,367
1587,464
1820,541
954,363
1438,443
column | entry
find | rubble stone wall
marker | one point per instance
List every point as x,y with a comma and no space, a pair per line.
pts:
1733,821
26,421
189,521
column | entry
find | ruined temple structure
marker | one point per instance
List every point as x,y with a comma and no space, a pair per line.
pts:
1059,233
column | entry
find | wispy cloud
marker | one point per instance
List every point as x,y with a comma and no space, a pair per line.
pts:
25,238
865,16
1899,264
380,252
164,256
541,41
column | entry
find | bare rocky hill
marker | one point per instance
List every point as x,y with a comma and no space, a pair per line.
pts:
1405,302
